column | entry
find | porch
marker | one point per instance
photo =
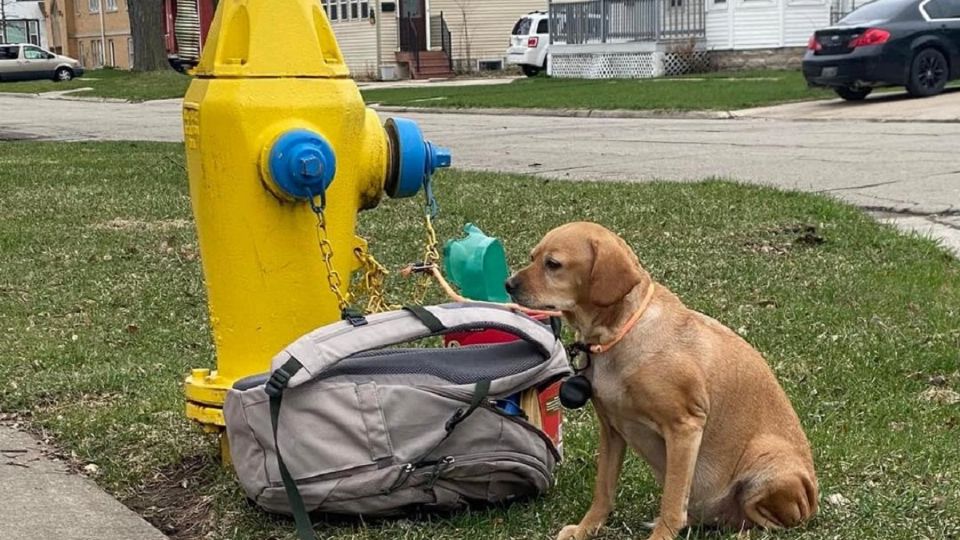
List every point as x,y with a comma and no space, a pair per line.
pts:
596,39
425,41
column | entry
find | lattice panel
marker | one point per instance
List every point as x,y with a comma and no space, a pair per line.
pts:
606,65
685,62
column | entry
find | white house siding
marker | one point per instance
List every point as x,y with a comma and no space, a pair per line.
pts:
358,43
764,24
801,19
717,26
17,11
490,23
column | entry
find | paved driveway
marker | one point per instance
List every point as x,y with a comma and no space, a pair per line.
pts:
906,171
891,106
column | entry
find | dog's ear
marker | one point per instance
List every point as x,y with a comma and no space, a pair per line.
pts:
615,271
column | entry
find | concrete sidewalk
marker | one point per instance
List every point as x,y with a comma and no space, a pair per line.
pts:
40,499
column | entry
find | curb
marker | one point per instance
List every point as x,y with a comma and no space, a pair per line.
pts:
57,96
563,113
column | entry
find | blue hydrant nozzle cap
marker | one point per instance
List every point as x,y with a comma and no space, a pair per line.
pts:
440,157
414,159
302,163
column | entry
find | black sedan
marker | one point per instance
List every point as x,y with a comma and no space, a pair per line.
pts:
911,43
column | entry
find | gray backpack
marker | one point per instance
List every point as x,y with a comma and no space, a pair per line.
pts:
373,431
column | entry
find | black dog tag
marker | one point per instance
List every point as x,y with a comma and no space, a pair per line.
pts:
575,392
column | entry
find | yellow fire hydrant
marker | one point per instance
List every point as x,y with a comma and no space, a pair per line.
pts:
274,129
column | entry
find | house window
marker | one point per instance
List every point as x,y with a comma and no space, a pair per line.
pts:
347,10
130,53
83,59
112,53
93,6
112,5
22,31
96,50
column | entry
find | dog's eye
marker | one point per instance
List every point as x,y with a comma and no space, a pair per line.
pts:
552,264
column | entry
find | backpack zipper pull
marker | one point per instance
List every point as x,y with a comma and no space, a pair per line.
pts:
439,469
405,473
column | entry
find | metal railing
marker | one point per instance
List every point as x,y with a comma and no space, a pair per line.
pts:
446,40
409,40
840,9
440,36
622,21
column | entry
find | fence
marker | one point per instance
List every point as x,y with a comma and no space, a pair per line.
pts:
621,21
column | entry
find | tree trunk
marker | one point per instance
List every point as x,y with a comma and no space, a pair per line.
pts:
146,28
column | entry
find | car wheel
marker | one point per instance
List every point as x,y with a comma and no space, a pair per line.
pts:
63,74
928,73
530,71
853,94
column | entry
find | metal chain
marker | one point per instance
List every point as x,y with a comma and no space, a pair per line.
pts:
372,283
431,255
326,252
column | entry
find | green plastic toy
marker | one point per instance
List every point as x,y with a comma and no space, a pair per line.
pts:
477,265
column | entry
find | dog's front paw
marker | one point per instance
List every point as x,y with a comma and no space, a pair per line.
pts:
663,532
570,532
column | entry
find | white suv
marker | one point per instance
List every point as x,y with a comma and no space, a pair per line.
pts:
529,42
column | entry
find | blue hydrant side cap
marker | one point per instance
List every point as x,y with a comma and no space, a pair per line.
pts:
418,158
302,163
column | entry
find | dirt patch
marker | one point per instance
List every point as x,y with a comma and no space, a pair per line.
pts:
172,502
783,240
120,224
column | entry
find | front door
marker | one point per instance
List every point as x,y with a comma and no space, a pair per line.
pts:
413,25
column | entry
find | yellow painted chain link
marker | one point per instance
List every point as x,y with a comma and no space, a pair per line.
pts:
326,252
431,257
372,282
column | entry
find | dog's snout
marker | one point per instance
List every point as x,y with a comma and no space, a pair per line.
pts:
512,285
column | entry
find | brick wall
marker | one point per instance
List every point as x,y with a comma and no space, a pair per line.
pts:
79,21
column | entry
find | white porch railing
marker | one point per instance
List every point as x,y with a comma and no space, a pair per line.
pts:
575,22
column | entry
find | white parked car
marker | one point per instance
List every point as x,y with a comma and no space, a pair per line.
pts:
528,43
24,62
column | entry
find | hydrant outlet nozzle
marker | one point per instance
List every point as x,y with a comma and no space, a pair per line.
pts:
301,164
440,157
413,159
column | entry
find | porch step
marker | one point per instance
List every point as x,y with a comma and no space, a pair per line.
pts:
433,64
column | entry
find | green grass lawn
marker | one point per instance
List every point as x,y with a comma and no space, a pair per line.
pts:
103,312
715,91
112,83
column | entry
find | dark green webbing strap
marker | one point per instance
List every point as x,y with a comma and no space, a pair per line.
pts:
556,326
428,319
480,392
275,387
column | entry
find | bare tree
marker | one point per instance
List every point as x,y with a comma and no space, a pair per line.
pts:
146,28
464,6
3,19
